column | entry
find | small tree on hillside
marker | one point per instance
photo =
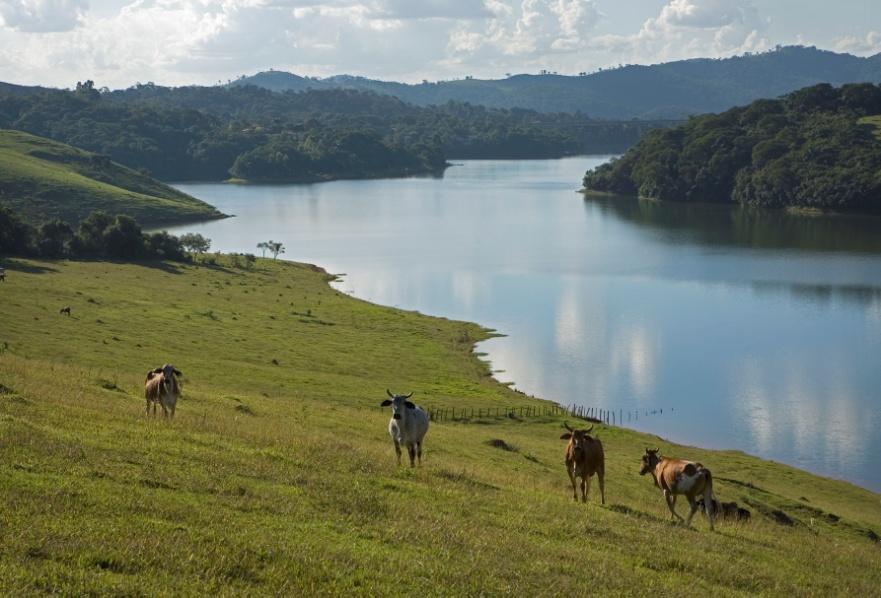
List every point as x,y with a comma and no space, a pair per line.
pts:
195,243
263,246
275,248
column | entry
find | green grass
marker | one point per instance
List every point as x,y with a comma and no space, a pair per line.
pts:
281,479
43,179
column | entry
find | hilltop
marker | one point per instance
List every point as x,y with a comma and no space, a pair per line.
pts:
668,90
277,475
42,179
814,148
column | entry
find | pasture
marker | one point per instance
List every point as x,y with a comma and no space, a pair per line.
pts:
277,475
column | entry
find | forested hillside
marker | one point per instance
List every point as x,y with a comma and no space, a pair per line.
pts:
814,148
212,133
669,90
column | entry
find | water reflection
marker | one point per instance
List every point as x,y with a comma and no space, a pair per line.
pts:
761,330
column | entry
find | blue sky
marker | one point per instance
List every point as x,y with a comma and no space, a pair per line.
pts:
118,43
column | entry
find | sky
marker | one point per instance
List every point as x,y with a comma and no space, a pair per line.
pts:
118,43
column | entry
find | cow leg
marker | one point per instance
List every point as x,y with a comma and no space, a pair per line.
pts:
411,450
164,410
708,505
397,449
601,476
585,488
572,480
693,504
147,410
419,452
671,504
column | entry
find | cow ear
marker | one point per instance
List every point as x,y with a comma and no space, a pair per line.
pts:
157,371
177,373
150,374
566,436
385,403
409,405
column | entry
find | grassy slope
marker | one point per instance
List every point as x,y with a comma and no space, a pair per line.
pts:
43,179
875,121
281,478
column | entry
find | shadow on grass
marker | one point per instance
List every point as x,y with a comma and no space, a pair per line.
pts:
19,266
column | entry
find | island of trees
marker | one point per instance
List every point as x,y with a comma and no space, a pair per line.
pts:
813,148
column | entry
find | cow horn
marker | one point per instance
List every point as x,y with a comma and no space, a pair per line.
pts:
408,396
389,393
566,425
588,430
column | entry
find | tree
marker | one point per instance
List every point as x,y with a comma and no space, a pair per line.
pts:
263,246
275,248
195,243
53,238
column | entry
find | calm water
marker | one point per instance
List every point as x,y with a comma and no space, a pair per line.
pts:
761,332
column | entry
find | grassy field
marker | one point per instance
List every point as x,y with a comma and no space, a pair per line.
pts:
277,475
42,179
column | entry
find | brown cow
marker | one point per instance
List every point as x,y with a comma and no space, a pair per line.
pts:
584,458
65,310
162,387
675,477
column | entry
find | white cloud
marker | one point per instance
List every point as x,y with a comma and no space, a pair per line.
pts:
692,28
41,16
868,45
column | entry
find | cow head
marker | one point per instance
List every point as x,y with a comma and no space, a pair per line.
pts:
399,403
649,460
577,438
168,372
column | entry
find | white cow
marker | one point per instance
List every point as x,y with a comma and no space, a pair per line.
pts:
407,427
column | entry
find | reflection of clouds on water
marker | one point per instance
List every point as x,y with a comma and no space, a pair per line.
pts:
569,335
785,408
633,356
468,287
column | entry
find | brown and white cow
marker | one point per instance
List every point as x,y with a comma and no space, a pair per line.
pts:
162,387
584,458
675,477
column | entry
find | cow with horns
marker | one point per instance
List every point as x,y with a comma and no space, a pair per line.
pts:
162,387
675,477
407,426
584,458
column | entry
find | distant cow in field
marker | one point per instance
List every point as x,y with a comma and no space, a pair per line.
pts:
727,510
2,275
584,458
675,477
162,387
407,427
65,310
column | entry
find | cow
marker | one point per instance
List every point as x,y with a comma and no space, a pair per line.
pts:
2,275
407,426
675,477
162,387
65,310
727,510
584,458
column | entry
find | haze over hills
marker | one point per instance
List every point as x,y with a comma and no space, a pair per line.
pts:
668,90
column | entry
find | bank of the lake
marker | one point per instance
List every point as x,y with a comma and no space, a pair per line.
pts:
277,475
758,329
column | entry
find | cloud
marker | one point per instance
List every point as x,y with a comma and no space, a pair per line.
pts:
41,16
692,28
431,9
868,45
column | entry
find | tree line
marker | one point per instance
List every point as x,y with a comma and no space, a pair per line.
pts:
97,235
809,148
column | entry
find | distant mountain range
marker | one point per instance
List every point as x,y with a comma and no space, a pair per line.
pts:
670,90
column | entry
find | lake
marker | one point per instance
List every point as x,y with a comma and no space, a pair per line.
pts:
758,331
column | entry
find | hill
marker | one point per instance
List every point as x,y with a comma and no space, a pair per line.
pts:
669,90
278,477
813,148
43,179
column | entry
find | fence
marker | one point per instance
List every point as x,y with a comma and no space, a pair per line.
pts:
592,414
